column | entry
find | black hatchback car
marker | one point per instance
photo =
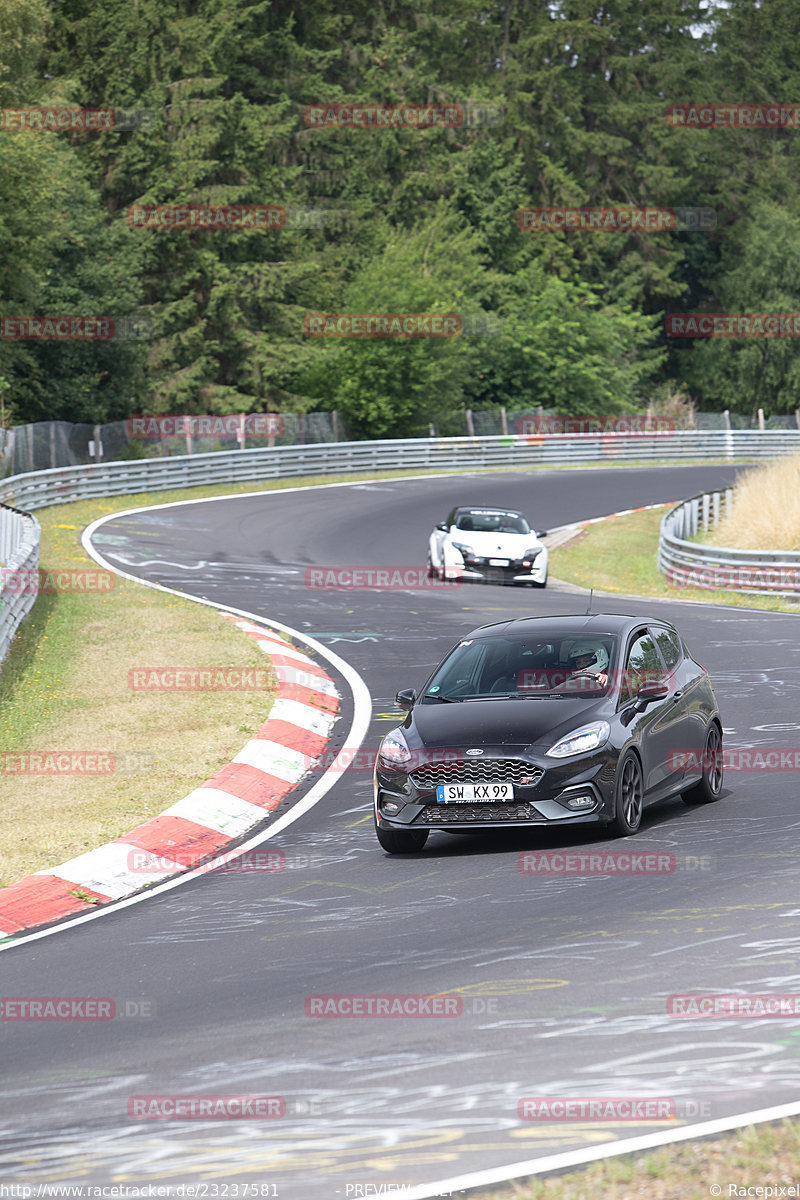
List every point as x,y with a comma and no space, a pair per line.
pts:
546,721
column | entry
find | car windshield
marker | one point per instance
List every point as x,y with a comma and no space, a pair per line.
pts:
525,667
479,520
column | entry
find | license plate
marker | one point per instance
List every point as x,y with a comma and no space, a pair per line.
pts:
498,562
469,793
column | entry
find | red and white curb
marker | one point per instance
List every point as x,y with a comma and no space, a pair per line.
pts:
224,808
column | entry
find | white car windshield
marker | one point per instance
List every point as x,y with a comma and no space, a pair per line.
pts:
484,521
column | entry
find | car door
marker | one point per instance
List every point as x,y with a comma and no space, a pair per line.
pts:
438,536
657,726
689,715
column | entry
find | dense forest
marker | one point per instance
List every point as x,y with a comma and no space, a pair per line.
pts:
487,109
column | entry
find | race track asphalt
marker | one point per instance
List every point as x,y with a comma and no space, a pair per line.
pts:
564,978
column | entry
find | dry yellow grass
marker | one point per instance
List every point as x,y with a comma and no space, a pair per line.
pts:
765,513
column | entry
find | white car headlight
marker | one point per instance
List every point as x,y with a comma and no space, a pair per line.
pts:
588,737
394,750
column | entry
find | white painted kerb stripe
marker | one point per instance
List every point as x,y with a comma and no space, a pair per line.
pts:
217,810
302,715
264,755
107,870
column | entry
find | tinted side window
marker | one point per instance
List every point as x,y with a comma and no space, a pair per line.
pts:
641,666
669,646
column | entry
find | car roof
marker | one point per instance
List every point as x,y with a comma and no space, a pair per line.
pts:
577,623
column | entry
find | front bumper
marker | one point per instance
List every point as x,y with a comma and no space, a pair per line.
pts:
479,570
555,796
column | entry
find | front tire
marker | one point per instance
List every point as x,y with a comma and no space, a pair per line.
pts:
401,841
709,785
628,796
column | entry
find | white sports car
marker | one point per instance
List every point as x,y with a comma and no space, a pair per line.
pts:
492,545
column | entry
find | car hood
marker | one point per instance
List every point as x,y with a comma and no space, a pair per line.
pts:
521,723
485,544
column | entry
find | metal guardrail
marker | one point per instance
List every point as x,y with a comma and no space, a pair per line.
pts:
20,534
38,489
720,568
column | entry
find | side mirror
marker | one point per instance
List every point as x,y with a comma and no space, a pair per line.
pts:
651,691
406,699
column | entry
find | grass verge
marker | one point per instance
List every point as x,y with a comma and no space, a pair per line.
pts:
619,555
756,1157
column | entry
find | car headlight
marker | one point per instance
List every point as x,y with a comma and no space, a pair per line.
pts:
464,551
588,737
394,750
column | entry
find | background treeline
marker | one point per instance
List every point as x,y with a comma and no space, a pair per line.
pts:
397,220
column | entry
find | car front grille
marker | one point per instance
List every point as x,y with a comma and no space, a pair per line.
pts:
474,814
476,770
